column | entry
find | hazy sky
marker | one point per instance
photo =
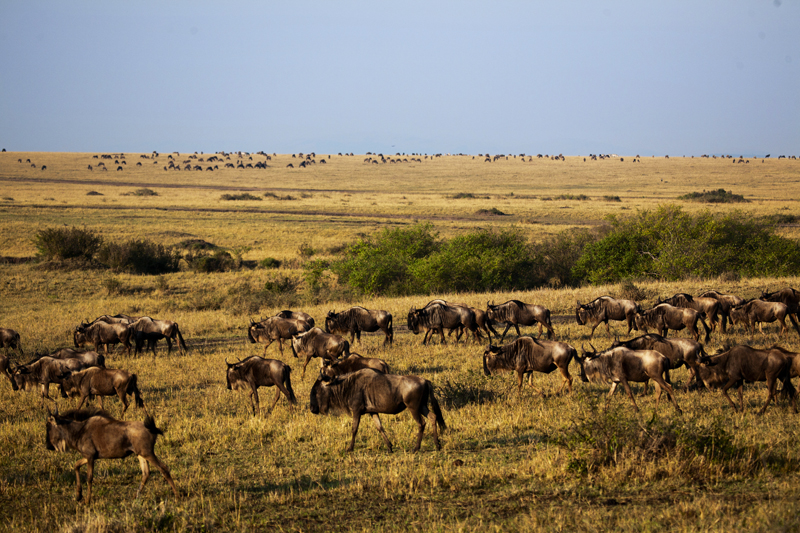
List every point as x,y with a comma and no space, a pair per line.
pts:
572,77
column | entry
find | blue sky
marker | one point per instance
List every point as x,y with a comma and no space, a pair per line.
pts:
571,77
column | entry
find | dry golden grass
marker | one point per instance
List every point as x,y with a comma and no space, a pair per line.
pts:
511,461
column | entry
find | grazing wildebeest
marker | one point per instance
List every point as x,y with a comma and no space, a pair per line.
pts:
605,308
101,382
753,312
679,351
152,330
255,372
527,354
6,371
298,315
516,313
358,319
437,316
44,371
621,365
743,363
274,329
103,334
726,302
708,307
352,363
317,343
788,296
88,357
370,392
10,339
664,317
97,435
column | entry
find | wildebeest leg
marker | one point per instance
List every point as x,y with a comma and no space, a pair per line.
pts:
100,401
663,385
441,332
89,478
277,397
731,382
630,394
78,491
123,396
772,383
169,345
420,420
503,336
143,460
784,329
432,419
308,358
356,421
255,405
377,420
567,379
520,377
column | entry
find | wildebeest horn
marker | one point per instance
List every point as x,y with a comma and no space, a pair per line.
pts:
593,348
227,363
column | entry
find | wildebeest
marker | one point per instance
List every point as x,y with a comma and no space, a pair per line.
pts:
708,307
358,319
299,315
6,371
100,333
274,329
788,296
370,392
664,317
150,330
10,339
255,372
679,351
516,313
621,365
726,302
437,316
753,312
352,363
44,371
743,363
88,357
97,435
605,308
101,382
317,343
526,354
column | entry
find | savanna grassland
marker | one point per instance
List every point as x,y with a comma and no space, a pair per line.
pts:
510,460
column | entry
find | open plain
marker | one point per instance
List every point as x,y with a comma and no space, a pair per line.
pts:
510,460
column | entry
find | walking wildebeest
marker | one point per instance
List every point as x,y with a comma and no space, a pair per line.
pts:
298,315
274,329
99,382
437,316
358,319
605,308
664,317
621,365
352,363
465,311
726,302
151,330
317,343
6,371
708,307
370,392
743,363
96,435
753,312
516,313
679,351
527,354
10,339
255,372
103,334
44,371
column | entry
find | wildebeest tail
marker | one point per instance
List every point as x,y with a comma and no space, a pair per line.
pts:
794,323
390,329
101,360
435,407
287,382
133,388
346,350
150,425
180,337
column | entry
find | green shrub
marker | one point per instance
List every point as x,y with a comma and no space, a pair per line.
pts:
219,261
719,196
139,256
141,192
270,262
241,196
491,212
66,243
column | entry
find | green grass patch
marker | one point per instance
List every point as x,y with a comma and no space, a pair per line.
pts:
719,196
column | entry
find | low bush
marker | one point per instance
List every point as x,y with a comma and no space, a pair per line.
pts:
719,196
240,196
269,262
141,192
491,212
139,256
67,243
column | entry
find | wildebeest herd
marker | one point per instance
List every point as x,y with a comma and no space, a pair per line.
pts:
350,383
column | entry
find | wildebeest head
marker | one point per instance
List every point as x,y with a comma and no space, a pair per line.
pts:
55,436
330,321
413,319
491,311
233,375
587,356
580,313
320,401
250,329
490,359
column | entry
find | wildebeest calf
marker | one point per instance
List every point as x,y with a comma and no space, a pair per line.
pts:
317,343
255,372
352,363
370,392
96,435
